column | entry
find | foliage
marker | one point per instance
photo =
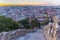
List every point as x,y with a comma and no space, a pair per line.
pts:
35,23
45,22
7,24
25,23
29,25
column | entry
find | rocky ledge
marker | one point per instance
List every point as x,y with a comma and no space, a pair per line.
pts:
14,34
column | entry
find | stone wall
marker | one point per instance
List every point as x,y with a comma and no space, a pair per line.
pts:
13,34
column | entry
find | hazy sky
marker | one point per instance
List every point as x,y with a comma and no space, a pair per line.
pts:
57,2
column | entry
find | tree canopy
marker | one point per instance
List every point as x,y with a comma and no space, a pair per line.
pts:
7,24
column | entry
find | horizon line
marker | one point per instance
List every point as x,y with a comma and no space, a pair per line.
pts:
28,5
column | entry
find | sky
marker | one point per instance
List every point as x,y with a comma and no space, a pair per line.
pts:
32,2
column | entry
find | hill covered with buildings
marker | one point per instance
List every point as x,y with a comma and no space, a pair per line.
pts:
21,12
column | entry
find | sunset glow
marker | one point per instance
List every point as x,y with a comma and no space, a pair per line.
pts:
29,2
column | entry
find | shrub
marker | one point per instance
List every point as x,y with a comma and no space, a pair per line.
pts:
7,24
35,23
45,22
25,23
29,25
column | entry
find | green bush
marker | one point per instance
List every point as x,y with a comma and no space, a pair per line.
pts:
7,24
35,23
30,25
25,23
45,22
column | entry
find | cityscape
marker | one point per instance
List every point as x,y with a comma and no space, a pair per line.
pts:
21,12
29,22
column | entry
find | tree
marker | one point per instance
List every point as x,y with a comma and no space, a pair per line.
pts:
30,24
45,22
7,24
35,23
25,23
